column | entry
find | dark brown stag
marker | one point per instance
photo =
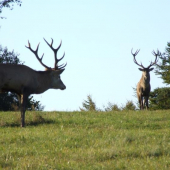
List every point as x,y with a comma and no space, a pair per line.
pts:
143,86
24,81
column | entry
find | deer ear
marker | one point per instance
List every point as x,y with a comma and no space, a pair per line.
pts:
60,71
151,69
141,69
57,72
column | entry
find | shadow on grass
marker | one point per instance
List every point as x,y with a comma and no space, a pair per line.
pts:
36,120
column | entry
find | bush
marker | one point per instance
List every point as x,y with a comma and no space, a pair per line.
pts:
112,107
129,106
89,104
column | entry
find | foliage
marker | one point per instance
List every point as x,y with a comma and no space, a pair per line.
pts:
89,104
32,104
9,4
9,57
8,100
160,98
129,106
112,107
163,68
79,140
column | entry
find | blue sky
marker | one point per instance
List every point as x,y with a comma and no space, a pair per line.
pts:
97,38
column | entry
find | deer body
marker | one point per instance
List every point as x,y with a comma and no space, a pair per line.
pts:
24,81
20,78
143,86
143,89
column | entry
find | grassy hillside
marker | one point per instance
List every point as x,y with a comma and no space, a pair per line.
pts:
85,140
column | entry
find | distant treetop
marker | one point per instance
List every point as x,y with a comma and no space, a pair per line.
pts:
8,4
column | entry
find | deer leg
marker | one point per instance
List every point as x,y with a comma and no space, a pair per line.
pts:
139,99
140,102
23,100
146,102
19,100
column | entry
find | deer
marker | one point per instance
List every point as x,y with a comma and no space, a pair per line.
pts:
25,81
143,86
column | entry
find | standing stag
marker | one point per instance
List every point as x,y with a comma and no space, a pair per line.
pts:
143,86
24,81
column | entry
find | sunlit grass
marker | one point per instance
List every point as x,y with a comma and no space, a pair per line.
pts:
85,140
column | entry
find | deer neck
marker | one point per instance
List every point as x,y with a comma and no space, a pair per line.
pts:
43,81
145,80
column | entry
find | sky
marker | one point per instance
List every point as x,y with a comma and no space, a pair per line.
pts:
97,38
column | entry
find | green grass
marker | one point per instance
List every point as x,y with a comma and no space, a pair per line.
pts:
85,140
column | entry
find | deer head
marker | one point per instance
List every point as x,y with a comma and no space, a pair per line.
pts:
146,70
56,66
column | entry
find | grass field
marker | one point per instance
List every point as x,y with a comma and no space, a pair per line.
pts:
85,140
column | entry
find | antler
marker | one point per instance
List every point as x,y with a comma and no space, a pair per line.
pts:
56,67
156,60
134,59
36,54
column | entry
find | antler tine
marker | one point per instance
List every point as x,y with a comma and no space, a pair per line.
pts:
29,45
61,57
59,45
62,66
156,54
156,58
134,59
50,45
56,67
51,42
36,54
134,54
57,60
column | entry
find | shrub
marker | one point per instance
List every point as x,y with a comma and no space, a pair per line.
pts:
89,104
112,107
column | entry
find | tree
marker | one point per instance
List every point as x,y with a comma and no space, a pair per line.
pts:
8,100
8,4
163,68
9,57
89,104
160,98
